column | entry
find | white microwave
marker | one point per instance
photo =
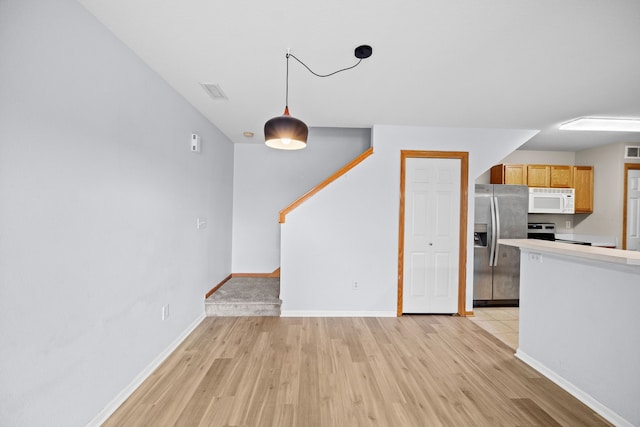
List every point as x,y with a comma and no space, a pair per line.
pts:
551,200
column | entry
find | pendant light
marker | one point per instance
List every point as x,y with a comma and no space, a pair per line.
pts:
288,133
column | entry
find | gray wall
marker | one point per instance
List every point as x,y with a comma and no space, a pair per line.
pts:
99,197
267,180
608,190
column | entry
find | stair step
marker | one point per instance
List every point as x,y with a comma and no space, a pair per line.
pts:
245,296
240,310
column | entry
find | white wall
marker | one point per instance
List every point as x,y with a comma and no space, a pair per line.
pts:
540,157
267,180
99,196
349,231
608,191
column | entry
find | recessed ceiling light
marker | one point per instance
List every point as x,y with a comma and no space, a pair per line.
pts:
213,90
248,134
602,124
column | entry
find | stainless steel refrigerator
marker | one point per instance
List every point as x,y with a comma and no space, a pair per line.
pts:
500,213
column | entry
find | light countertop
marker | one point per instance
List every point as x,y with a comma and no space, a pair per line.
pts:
617,256
608,241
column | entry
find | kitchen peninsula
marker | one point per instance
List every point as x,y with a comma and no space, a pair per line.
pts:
573,301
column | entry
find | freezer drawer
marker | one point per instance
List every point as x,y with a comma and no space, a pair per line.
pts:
506,274
482,274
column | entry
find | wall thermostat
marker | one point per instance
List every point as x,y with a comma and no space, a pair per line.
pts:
195,143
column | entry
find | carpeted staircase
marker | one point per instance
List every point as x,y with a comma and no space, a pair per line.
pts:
246,296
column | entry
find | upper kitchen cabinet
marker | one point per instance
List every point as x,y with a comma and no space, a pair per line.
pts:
539,176
583,183
560,176
509,174
550,176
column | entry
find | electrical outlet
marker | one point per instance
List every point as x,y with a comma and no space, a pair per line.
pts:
535,257
165,312
355,285
568,224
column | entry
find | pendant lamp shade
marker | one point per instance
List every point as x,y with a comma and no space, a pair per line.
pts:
288,133
285,132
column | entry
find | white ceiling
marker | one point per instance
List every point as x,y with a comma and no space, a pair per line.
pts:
528,64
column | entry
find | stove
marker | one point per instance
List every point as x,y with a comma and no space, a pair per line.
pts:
547,231
541,231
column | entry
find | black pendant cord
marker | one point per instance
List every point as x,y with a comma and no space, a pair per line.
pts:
286,101
316,74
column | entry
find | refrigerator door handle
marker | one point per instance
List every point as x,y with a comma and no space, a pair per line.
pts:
497,233
493,231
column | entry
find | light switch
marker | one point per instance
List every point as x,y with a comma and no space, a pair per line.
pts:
195,143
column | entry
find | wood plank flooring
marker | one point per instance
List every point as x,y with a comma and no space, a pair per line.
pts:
407,371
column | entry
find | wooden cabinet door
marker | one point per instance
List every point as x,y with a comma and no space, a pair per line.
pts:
561,176
515,174
583,183
497,174
509,174
538,176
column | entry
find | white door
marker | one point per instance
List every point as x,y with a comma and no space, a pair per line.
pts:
431,235
633,210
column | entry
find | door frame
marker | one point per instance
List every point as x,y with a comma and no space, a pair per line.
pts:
463,156
627,168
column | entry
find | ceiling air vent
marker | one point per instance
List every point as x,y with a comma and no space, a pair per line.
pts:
214,90
631,152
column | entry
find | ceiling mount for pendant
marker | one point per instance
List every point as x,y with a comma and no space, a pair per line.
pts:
288,133
363,51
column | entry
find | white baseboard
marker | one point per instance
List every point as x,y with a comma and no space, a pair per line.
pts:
139,379
320,313
576,392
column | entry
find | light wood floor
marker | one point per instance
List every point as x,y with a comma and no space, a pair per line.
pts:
305,372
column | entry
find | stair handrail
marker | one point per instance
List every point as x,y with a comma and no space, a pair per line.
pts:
343,170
